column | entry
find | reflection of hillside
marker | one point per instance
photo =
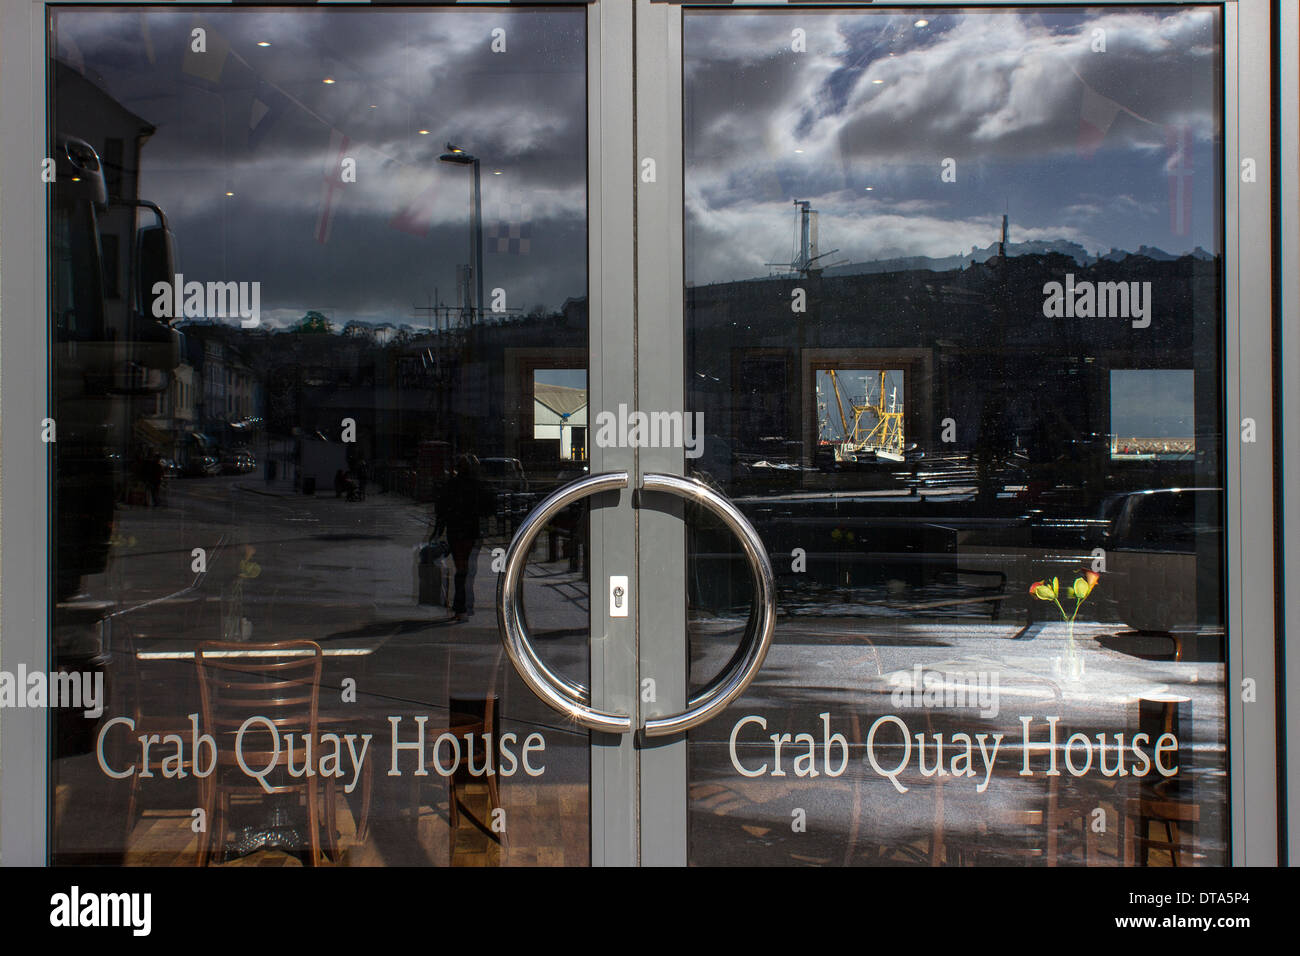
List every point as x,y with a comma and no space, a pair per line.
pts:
897,302
1039,247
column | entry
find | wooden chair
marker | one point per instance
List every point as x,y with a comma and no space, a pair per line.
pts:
477,715
1028,833
1178,818
279,682
141,689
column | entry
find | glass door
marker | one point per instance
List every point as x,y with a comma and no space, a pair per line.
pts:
645,432
954,319
322,326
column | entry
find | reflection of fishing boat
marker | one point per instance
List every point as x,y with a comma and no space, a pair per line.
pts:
883,440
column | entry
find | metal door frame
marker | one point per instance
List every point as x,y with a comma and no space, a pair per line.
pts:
1288,359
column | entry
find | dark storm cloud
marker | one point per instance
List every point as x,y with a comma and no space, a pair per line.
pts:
880,100
522,113
969,85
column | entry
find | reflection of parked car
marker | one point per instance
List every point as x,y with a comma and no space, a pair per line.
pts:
238,463
202,466
506,477
1163,555
504,474
170,468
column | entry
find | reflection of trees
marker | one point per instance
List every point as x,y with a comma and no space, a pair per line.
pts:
313,321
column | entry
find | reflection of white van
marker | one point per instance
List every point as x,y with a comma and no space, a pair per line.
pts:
1163,556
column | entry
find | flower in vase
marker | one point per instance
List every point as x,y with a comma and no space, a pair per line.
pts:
1042,591
248,568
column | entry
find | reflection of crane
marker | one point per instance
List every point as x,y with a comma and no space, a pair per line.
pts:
806,254
885,437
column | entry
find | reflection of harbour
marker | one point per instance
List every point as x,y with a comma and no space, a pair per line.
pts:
1151,447
882,441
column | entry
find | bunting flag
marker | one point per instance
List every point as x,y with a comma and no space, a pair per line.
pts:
331,182
268,106
770,176
208,65
1096,115
510,233
415,213
1179,169
147,38
68,51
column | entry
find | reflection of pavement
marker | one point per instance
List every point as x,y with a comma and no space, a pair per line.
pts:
328,570
859,673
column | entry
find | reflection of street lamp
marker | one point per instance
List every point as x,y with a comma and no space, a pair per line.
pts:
457,155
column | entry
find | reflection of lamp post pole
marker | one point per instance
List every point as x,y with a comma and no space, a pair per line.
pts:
457,155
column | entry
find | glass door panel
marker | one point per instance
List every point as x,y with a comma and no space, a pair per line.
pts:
954,320
320,344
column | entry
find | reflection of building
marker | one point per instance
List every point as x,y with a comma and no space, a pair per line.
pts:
226,393
560,414
986,380
174,415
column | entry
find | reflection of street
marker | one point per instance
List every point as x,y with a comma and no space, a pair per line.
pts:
339,573
859,671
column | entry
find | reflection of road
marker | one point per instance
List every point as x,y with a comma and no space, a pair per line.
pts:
850,669
327,570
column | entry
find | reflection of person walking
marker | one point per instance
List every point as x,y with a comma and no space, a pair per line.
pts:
363,474
465,500
156,474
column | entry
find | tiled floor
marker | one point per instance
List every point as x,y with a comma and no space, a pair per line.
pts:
544,826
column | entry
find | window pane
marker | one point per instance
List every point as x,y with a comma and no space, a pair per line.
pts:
348,239
953,316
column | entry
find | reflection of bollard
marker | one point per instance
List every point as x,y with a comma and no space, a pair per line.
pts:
575,553
552,545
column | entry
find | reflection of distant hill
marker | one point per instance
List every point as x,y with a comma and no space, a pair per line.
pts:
1014,249
996,304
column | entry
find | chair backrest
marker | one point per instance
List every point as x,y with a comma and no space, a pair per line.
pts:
464,702
1165,809
278,682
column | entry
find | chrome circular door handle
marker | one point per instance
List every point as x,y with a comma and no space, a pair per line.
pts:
567,696
572,698
745,664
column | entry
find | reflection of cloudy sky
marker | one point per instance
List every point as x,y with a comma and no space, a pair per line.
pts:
1153,403
879,102
522,112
